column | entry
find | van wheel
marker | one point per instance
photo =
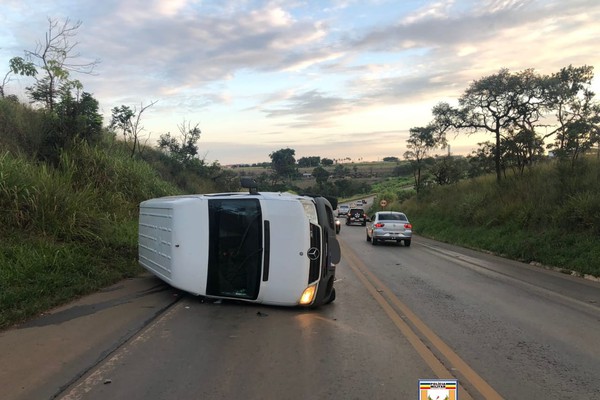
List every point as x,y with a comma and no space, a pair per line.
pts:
407,242
331,296
374,241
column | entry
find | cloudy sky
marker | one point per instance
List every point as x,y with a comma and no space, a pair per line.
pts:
336,79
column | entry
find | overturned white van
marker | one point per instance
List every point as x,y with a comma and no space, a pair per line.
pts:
272,248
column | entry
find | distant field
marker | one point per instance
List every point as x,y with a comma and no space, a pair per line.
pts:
367,172
378,168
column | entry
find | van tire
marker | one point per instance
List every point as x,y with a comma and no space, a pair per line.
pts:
331,296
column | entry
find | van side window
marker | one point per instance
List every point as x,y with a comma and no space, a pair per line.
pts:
235,247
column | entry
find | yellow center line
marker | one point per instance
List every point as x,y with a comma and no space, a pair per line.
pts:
372,283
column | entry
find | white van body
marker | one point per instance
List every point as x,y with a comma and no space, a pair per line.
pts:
271,248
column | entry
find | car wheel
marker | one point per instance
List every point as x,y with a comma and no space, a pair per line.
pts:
364,224
374,241
407,242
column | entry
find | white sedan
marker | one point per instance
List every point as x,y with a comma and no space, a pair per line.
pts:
389,225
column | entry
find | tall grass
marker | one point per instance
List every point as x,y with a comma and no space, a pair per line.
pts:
69,230
21,127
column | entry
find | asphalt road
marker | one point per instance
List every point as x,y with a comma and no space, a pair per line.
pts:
503,329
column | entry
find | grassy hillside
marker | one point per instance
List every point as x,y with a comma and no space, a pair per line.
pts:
548,216
69,227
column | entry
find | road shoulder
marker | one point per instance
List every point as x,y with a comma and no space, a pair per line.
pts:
43,356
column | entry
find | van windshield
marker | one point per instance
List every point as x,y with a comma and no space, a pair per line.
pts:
235,248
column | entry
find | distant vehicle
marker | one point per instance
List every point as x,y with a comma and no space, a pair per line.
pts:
364,202
389,225
338,226
272,248
343,210
356,216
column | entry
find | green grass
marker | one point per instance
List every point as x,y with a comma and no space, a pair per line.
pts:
576,251
70,230
38,273
550,215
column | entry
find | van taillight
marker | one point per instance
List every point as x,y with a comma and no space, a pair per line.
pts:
380,225
407,226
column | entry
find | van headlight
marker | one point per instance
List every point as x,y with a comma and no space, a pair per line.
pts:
308,295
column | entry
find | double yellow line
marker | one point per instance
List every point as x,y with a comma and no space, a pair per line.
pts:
394,308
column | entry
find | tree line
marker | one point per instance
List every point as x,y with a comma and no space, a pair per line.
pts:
515,108
283,170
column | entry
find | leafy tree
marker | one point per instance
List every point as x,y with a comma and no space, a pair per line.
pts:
481,160
75,117
129,122
326,162
321,175
521,148
312,161
186,150
391,159
577,113
18,66
284,164
495,104
79,116
56,59
421,141
449,169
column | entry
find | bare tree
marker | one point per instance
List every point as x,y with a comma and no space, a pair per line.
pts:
56,57
129,122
